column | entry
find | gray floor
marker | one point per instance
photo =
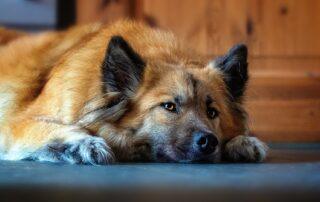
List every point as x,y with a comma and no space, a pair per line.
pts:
291,172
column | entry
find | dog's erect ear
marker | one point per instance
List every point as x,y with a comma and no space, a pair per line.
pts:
122,68
235,69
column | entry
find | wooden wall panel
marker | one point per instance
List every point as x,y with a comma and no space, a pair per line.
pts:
209,26
284,27
270,28
103,11
185,18
284,120
283,98
226,25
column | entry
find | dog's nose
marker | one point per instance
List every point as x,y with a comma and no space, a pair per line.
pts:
205,142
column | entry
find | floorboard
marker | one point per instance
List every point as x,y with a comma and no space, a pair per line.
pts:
292,172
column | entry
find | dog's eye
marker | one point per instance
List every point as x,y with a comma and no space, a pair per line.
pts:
170,106
212,112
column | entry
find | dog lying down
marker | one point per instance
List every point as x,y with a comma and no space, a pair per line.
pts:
121,93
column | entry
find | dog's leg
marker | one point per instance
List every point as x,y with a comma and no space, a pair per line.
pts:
245,149
42,141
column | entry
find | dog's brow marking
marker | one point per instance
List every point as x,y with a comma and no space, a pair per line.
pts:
194,83
178,99
209,100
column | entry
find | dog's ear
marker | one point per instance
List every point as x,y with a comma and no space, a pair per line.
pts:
235,69
122,68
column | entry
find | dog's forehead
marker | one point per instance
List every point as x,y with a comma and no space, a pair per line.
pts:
204,82
188,90
187,85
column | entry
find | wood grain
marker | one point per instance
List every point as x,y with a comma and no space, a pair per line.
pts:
284,27
283,99
284,79
102,11
284,120
270,28
185,18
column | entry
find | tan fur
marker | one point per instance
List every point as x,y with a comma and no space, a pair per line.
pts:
50,82
7,36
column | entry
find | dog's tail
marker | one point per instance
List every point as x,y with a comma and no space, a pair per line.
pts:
8,35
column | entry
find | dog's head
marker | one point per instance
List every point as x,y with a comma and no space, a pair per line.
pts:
183,110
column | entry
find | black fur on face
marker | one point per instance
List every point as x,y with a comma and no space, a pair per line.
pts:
122,68
235,68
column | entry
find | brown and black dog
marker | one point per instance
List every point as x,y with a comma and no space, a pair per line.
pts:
124,92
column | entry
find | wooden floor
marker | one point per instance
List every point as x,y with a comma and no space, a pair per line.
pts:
290,173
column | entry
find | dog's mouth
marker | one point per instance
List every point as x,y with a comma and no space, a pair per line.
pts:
179,155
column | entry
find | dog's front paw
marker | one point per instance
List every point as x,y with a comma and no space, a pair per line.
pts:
89,150
84,150
245,149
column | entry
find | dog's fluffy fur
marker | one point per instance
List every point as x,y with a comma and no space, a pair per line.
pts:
96,95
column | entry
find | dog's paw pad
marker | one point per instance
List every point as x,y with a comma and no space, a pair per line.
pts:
246,149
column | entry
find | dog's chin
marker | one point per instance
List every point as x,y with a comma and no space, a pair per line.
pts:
177,157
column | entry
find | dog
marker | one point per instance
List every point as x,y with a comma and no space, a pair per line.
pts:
123,92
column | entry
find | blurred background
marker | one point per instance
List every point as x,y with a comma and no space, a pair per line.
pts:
283,38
